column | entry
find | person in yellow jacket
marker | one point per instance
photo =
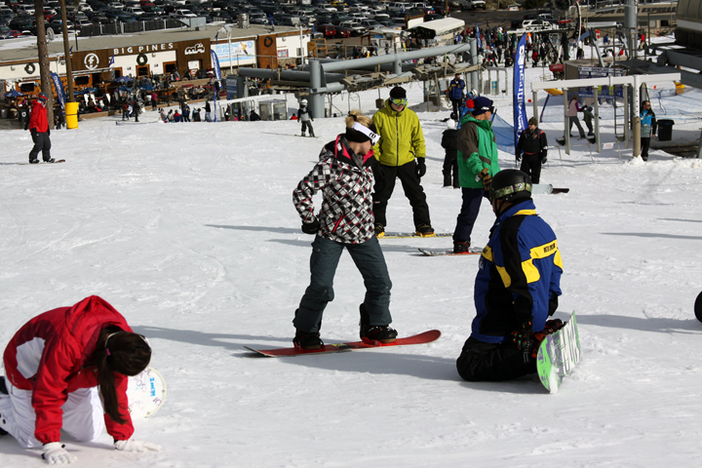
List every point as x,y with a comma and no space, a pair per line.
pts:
401,152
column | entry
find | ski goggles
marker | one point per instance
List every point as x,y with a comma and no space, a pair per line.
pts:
509,190
399,102
369,133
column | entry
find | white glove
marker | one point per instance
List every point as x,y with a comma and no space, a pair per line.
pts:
133,445
55,454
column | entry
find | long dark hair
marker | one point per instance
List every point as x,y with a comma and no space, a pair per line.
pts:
123,352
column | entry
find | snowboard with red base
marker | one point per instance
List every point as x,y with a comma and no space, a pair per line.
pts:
422,338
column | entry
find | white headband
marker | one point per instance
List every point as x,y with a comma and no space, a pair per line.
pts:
374,137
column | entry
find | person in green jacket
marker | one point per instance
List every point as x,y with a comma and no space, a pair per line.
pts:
477,163
401,152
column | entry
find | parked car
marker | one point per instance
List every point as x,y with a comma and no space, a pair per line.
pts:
475,4
342,32
83,22
513,7
56,24
134,11
329,30
535,25
21,22
183,13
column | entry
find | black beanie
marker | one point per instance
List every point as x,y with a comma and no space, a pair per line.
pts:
398,92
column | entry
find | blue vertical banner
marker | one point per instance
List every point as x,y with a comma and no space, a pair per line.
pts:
218,77
477,36
215,65
520,119
58,86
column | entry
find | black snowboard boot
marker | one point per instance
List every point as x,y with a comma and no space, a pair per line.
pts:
375,333
307,341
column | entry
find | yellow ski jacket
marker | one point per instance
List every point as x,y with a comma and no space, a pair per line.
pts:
401,136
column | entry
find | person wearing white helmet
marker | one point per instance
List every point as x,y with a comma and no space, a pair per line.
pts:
304,116
449,141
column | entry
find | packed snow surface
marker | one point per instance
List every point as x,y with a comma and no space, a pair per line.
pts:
189,231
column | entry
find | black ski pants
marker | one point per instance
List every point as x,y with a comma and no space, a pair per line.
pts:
305,126
42,143
645,144
456,104
385,184
481,362
450,169
531,164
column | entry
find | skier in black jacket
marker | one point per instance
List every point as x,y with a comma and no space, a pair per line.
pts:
532,149
449,141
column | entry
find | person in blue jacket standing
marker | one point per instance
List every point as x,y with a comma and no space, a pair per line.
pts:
648,128
455,93
516,288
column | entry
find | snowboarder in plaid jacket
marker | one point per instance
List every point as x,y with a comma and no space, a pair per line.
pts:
344,175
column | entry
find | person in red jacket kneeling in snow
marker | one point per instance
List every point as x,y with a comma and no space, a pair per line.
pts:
55,363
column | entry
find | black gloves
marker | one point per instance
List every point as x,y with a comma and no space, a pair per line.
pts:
519,156
522,336
421,167
311,228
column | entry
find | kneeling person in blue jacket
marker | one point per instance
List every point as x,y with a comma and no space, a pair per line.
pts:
516,288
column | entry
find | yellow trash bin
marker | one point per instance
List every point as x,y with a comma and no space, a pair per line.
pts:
71,115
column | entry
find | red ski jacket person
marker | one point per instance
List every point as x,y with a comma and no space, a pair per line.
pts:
54,364
37,119
39,128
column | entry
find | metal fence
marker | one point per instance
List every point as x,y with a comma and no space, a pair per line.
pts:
117,27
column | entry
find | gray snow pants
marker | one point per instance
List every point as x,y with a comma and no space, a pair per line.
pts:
369,260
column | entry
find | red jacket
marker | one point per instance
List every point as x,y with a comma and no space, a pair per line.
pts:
37,119
50,356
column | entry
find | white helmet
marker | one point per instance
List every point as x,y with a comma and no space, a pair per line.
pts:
451,124
303,102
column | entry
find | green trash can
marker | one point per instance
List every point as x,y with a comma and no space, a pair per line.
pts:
665,129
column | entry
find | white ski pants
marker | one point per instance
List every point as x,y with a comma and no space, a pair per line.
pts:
83,415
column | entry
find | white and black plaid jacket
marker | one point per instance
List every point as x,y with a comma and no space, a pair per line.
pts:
346,182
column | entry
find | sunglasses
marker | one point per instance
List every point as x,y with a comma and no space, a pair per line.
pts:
399,102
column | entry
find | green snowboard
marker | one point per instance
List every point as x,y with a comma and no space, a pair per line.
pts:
558,355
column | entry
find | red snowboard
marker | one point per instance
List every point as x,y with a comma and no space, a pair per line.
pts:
422,338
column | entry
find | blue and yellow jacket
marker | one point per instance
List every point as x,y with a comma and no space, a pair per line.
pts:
519,276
